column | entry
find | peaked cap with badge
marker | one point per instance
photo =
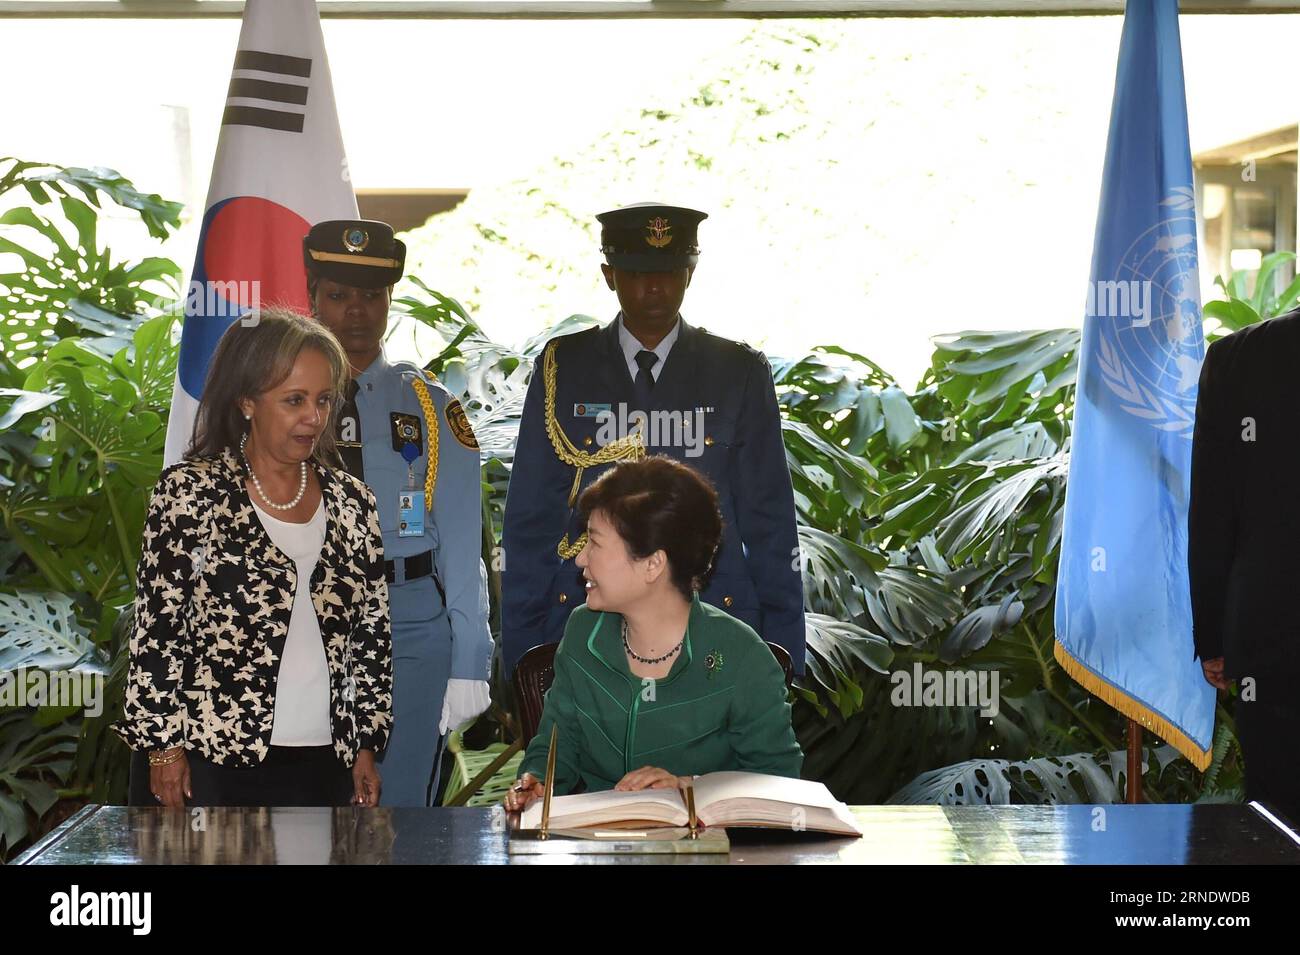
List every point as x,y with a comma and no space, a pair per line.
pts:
650,237
362,253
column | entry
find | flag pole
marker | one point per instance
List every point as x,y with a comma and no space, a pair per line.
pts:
1134,761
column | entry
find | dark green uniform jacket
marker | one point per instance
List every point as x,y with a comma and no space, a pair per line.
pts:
722,706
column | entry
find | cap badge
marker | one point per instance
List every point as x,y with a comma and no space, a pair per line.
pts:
355,239
657,230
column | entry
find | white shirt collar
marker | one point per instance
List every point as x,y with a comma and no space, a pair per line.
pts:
630,345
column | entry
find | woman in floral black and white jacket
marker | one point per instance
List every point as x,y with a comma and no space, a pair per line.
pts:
261,659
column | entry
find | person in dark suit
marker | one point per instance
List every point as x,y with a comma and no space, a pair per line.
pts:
1243,533
650,383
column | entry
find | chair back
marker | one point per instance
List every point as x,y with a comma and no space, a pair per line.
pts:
533,676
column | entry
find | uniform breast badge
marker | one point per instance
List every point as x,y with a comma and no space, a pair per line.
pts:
458,421
406,433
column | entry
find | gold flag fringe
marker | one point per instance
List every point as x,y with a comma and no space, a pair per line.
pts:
1167,731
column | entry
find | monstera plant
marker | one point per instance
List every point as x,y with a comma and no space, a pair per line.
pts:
87,360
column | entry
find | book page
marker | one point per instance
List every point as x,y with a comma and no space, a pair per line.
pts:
715,787
585,809
757,799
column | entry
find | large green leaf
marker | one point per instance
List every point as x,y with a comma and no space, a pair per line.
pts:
902,424
912,603
838,394
68,284
15,403
836,649
1077,778
1234,314
981,367
40,630
32,758
105,422
837,573
977,628
45,181
1028,440
986,512
851,476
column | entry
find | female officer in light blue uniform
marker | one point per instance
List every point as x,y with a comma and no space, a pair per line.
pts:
407,437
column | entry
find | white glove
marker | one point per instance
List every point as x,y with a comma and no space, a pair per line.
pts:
464,700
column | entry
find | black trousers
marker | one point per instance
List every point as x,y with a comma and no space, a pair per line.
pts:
1270,740
289,776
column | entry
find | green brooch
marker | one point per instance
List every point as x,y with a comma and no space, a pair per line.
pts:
712,663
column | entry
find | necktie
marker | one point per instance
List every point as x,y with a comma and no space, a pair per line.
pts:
644,382
349,428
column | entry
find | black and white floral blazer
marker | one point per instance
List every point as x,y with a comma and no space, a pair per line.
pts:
212,607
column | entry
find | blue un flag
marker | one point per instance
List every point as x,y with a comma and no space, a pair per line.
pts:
1123,604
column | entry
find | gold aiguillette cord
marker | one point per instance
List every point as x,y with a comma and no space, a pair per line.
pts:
628,448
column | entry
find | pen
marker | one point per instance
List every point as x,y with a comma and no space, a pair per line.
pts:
550,782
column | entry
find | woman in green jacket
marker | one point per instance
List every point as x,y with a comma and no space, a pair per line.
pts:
653,686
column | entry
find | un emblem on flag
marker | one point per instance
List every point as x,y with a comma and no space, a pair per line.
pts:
1149,344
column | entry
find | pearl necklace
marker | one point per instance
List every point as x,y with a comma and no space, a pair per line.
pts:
632,653
302,481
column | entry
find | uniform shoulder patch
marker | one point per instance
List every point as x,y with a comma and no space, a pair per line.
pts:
458,421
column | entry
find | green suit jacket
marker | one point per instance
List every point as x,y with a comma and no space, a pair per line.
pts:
722,706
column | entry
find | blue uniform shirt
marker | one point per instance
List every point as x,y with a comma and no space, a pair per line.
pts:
452,527
714,408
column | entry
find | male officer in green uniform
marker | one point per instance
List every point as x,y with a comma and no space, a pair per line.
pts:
407,437
648,382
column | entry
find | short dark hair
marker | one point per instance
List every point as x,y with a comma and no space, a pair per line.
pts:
658,503
254,355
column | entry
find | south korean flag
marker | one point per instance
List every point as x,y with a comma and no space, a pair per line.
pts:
279,167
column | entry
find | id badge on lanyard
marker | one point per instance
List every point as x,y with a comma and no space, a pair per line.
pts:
410,499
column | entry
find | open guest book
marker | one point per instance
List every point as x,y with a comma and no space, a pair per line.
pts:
721,799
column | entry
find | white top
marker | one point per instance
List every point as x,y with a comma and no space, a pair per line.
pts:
631,345
302,692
